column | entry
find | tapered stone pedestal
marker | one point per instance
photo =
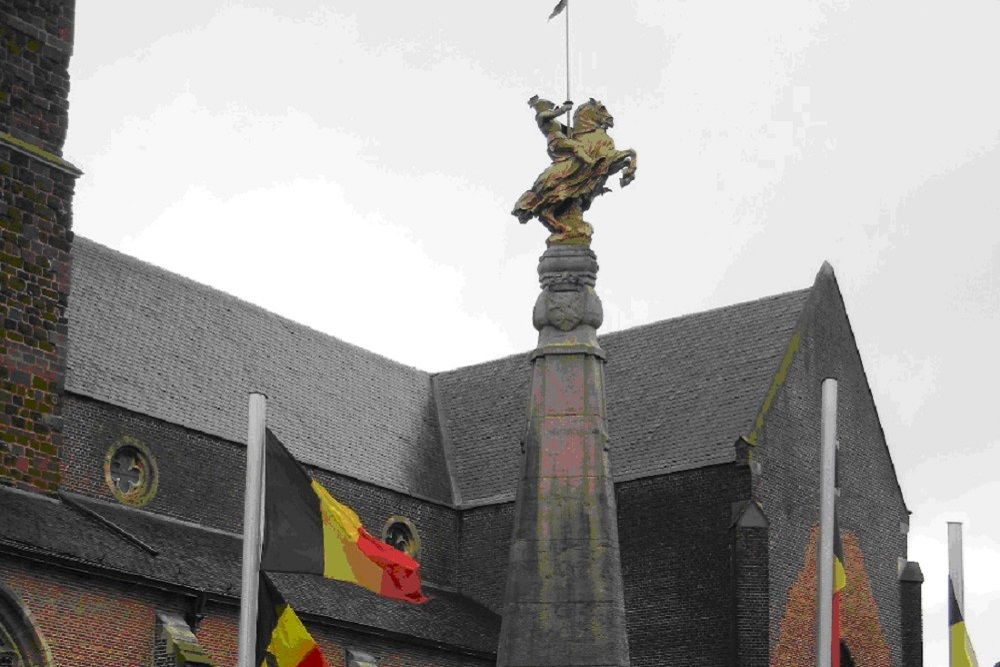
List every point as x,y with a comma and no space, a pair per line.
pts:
564,603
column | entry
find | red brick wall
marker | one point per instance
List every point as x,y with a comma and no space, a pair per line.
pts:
35,221
218,632
86,622
860,624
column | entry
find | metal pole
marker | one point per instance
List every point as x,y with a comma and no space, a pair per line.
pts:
824,556
252,529
569,117
957,578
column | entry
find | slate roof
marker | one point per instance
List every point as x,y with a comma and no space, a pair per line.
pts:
193,557
679,393
151,341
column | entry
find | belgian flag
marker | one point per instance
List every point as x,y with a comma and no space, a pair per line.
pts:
306,530
839,583
962,654
282,640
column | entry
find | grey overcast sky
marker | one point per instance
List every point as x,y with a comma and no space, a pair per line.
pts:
352,166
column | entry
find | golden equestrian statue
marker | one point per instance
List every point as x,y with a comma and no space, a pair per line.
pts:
582,161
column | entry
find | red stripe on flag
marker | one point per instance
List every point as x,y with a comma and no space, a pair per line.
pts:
835,632
400,573
313,659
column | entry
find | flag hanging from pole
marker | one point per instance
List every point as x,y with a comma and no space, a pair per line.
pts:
960,646
962,654
560,6
839,583
307,530
282,640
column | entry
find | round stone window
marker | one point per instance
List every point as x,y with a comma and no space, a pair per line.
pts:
130,472
400,533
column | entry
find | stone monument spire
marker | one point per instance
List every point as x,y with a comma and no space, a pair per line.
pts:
564,601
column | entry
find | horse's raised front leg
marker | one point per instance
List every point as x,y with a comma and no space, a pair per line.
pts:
628,156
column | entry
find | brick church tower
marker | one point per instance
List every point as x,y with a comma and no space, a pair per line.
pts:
36,192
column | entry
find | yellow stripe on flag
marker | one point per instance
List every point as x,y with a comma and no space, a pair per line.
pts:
962,654
839,576
337,516
290,641
342,558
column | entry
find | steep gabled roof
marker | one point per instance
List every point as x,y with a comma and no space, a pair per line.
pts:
679,393
151,341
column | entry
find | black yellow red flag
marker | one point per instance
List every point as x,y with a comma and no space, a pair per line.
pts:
282,640
307,530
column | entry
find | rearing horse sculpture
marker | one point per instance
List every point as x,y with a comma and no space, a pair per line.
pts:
582,162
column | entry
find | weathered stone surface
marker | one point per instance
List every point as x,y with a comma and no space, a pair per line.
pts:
564,600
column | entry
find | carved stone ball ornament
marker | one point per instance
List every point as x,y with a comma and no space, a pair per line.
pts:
583,158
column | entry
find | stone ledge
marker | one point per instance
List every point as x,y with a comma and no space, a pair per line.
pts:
29,149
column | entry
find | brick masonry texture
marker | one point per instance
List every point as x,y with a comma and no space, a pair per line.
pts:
35,223
88,622
871,505
750,584
913,627
860,622
93,622
677,550
193,467
35,45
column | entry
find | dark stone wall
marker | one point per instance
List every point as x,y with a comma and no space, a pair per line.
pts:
201,478
484,552
36,192
910,594
871,506
677,548
677,563
751,599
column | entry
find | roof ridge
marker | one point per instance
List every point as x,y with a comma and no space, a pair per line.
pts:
675,318
203,287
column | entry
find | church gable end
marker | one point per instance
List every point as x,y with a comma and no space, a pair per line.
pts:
786,458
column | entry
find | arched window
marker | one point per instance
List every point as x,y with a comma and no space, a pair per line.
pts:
20,644
9,655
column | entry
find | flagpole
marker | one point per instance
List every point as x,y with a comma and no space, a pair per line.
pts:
252,529
957,579
569,118
824,555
